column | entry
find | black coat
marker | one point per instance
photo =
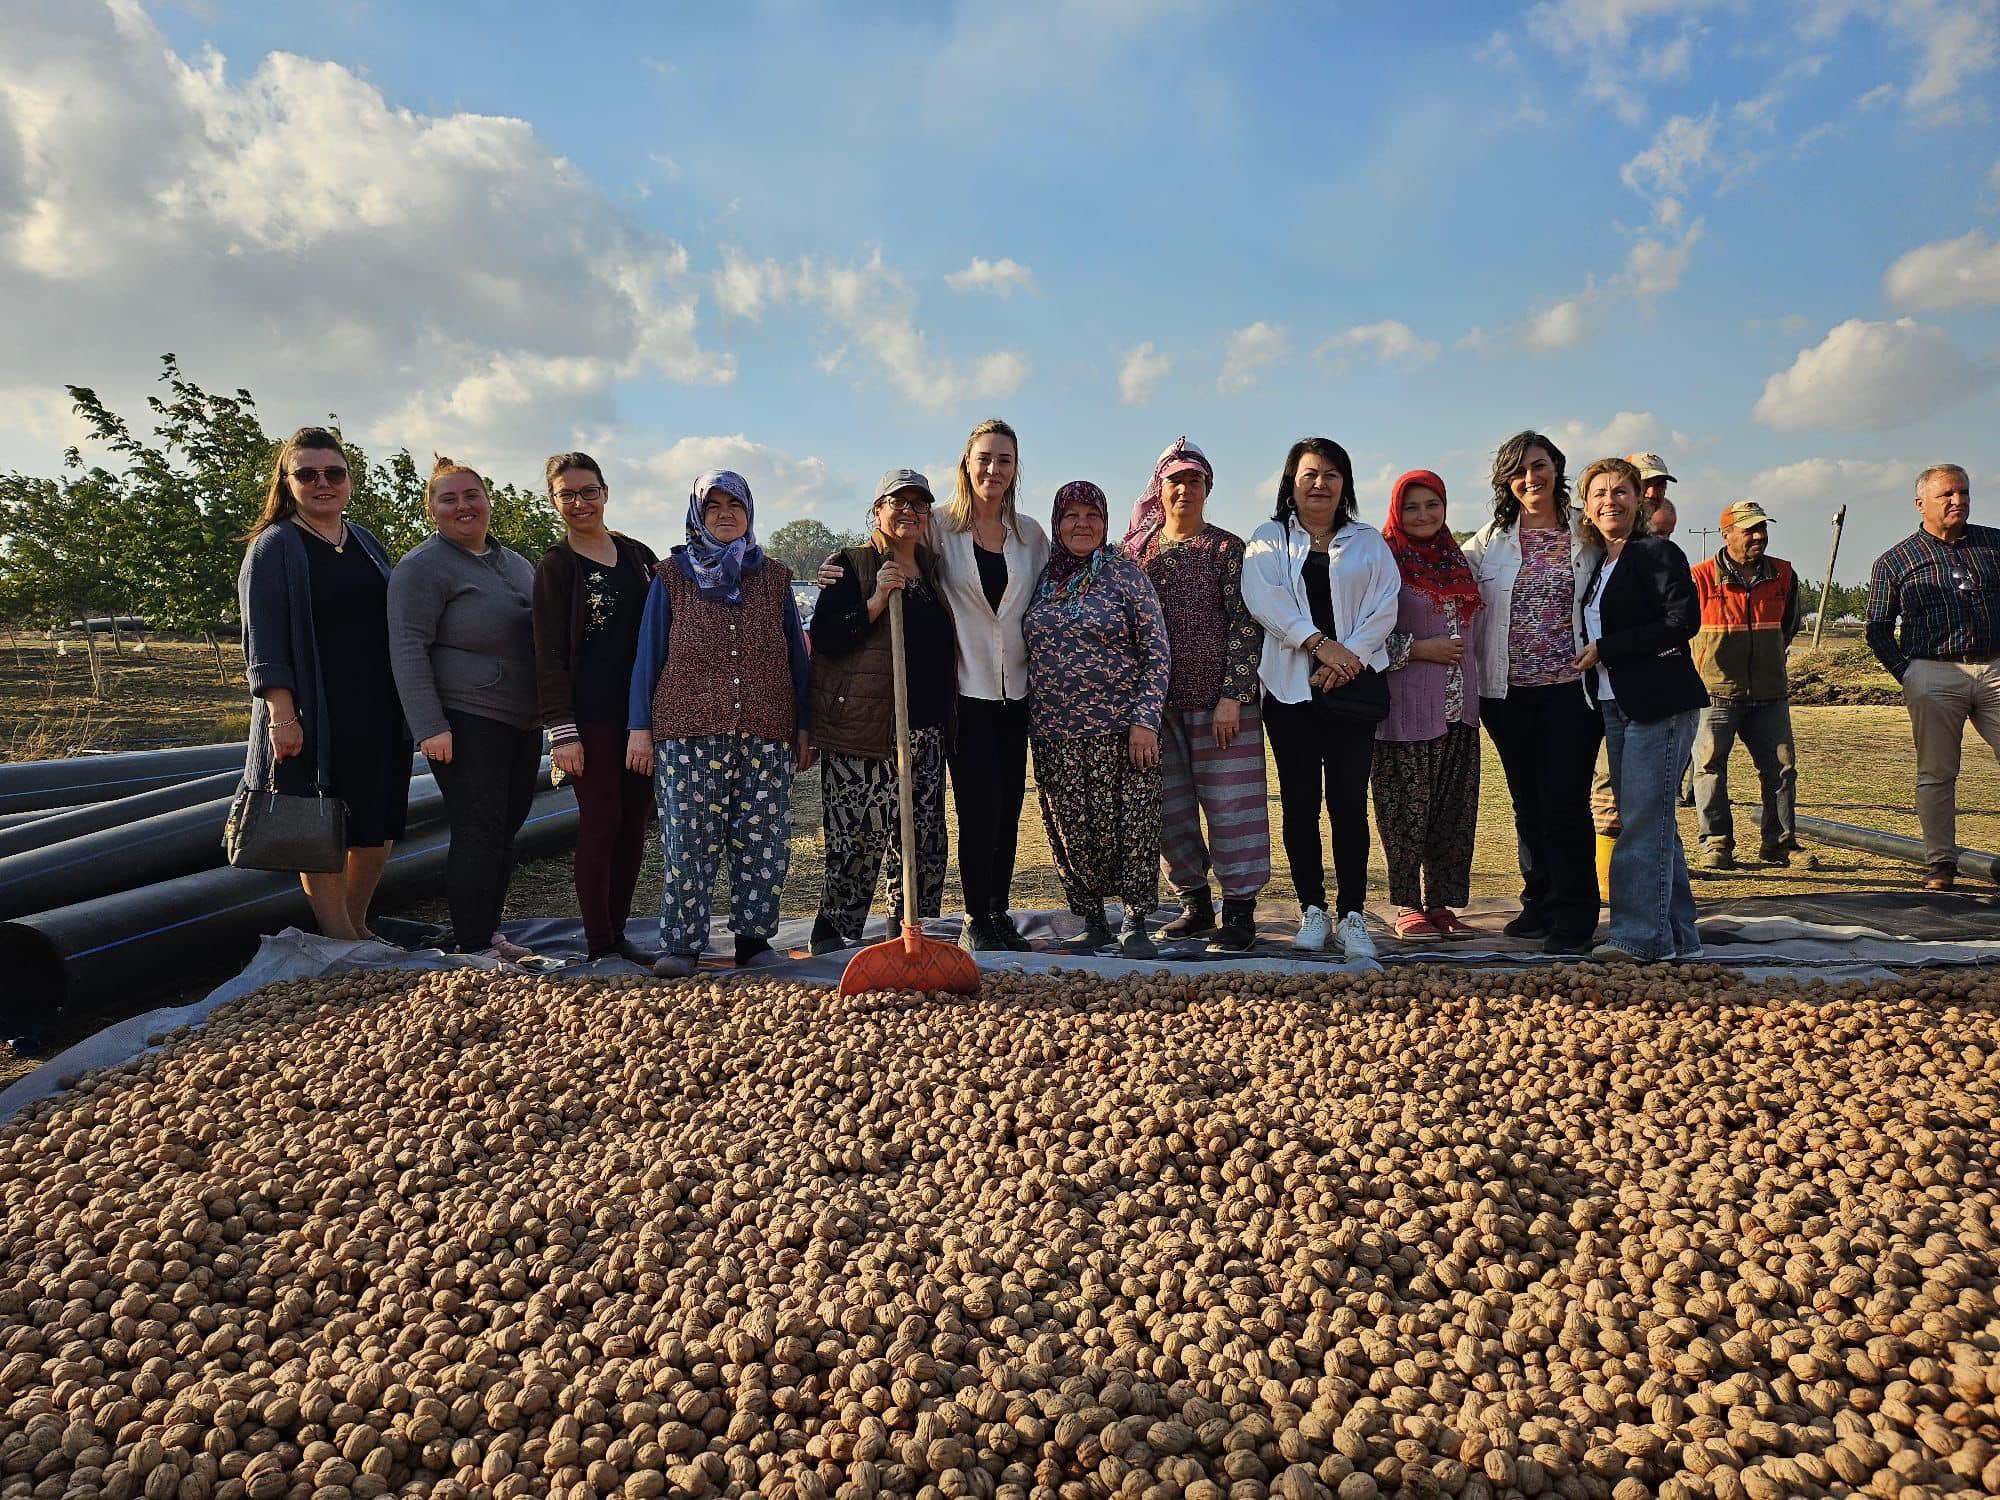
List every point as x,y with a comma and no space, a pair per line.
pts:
1650,612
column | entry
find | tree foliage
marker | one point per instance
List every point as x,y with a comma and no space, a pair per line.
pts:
159,532
804,544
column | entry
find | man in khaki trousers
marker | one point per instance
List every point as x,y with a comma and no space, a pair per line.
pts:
1934,622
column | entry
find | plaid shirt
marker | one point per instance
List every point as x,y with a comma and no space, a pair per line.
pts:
1936,601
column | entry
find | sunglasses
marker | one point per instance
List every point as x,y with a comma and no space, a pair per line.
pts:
332,474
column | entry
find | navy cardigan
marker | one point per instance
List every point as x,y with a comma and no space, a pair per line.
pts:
1650,612
274,596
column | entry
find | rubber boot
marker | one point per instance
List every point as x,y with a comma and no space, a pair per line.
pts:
1605,844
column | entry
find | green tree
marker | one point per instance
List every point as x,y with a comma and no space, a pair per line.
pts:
802,545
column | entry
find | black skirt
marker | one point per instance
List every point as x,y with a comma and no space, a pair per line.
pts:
368,760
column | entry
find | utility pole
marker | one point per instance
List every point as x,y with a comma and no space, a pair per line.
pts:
1826,588
1704,531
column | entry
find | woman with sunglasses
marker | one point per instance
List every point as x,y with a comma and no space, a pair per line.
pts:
853,713
313,592
590,593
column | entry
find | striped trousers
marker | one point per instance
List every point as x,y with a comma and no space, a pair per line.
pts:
1224,786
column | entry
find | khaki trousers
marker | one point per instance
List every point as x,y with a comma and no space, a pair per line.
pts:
1941,696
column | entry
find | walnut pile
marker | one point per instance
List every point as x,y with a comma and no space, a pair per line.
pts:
1569,1232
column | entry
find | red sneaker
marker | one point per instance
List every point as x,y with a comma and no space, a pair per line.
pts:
1415,927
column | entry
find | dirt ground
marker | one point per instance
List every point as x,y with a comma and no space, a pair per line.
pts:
159,692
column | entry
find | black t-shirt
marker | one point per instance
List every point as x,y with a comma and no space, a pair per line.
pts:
992,574
1319,591
614,602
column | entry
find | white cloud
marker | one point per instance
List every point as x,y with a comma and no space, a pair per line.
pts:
1561,325
1604,36
1955,41
876,311
1664,169
1250,350
1653,268
1882,93
1141,372
1002,278
237,219
652,492
1803,496
1389,341
1964,272
1869,376
1626,432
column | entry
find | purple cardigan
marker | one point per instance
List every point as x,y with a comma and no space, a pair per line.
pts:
1418,689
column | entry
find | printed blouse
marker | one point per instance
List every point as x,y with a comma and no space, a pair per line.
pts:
1214,638
1103,667
1541,648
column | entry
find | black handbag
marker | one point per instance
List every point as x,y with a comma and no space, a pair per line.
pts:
272,830
1363,699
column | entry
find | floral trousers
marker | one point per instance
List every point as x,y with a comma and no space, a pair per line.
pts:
1103,822
717,794
864,838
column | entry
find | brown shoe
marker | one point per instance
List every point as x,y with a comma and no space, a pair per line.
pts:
1941,878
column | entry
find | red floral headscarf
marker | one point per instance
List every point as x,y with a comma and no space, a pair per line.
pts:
1435,567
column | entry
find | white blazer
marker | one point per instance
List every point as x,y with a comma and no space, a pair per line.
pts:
1495,555
1365,583
992,657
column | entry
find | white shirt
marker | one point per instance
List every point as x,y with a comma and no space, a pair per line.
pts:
1593,626
992,657
1362,577
1495,554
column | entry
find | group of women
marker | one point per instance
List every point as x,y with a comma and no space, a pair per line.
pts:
1141,672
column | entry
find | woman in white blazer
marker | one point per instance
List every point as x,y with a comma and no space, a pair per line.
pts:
1324,586
1533,565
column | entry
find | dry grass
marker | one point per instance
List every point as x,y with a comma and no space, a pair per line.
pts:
1856,766
166,694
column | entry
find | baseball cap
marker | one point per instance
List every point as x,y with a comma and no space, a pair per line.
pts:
902,479
1744,513
1650,466
1186,457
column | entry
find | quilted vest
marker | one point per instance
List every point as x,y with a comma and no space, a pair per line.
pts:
728,666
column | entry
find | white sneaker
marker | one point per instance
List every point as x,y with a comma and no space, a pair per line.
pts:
1352,934
1313,929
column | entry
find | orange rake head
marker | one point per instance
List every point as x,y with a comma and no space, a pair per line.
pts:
911,962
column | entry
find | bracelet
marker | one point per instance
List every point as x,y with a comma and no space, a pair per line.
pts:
283,723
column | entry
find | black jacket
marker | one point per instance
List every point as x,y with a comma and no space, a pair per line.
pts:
1650,612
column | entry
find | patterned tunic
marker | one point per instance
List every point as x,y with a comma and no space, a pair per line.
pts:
1540,648
1105,667
1215,641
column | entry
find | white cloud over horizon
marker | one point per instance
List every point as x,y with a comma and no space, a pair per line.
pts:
1964,272
1389,341
1000,278
1140,373
1870,376
1251,351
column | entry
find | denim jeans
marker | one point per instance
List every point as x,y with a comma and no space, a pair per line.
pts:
1652,903
1766,731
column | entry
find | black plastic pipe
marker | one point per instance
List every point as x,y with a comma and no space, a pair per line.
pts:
16,819
42,829
1977,862
33,784
135,946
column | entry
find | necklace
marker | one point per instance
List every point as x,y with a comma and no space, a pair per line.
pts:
338,546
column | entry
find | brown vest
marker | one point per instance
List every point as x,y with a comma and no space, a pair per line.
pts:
728,666
854,696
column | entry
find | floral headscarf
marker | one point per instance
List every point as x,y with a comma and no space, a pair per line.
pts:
1148,513
1067,578
1435,567
717,569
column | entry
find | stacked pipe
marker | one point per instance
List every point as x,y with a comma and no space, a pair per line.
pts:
119,898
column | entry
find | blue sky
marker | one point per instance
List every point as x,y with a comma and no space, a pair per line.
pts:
814,242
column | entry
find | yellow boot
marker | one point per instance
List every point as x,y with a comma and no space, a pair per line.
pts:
1605,844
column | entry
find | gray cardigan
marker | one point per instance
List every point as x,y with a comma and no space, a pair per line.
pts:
274,596
462,635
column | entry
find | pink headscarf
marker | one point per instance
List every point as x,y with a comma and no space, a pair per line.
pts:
1148,514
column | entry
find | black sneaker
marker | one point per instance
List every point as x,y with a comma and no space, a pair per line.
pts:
979,935
1238,930
1197,918
1096,935
1132,939
826,937
1010,935
1527,925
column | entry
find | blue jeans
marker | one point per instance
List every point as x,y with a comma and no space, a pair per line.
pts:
1766,731
1652,904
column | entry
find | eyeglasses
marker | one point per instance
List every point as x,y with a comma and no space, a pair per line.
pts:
332,474
590,494
916,507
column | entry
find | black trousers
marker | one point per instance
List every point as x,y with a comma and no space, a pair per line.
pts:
487,789
1310,750
989,779
1547,738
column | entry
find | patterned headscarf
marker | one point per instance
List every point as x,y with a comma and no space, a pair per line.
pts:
718,569
1148,513
1435,567
1067,578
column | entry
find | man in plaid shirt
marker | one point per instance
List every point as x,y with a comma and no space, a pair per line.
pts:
1934,621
